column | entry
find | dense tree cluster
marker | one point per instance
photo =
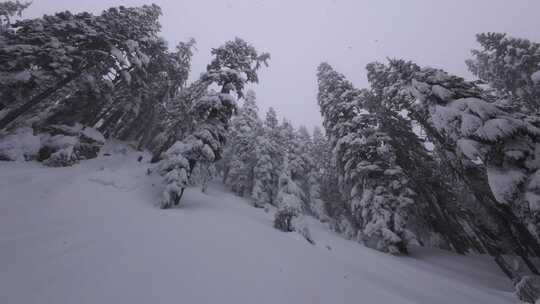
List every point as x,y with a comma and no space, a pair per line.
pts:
444,137
420,157
275,165
69,80
510,67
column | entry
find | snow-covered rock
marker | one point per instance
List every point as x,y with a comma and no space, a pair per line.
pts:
58,145
66,145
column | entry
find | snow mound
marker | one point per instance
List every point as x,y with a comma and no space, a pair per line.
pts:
20,145
56,145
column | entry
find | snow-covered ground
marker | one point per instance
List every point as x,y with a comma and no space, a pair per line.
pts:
92,234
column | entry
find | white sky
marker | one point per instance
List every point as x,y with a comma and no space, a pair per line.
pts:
348,34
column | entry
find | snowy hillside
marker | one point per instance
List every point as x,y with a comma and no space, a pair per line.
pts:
91,233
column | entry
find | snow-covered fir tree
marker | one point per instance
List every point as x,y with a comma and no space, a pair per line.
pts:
376,187
288,200
55,79
234,64
264,173
305,167
138,106
323,190
271,120
267,168
486,147
45,65
302,144
291,143
512,67
241,148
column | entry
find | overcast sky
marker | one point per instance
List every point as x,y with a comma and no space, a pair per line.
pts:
348,34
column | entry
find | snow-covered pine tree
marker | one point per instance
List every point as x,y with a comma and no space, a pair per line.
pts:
8,10
273,131
432,218
175,167
376,187
486,147
289,215
271,120
512,67
286,136
267,167
291,140
303,166
265,172
438,214
177,121
45,65
169,77
323,191
289,201
117,82
234,64
210,116
301,161
241,148
137,106
236,178
295,146
131,110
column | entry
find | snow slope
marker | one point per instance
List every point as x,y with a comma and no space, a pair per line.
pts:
92,234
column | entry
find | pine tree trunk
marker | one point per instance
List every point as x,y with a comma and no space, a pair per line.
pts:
225,174
529,264
476,180
505,267
148,130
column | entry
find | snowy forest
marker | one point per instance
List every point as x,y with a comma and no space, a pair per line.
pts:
418,158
